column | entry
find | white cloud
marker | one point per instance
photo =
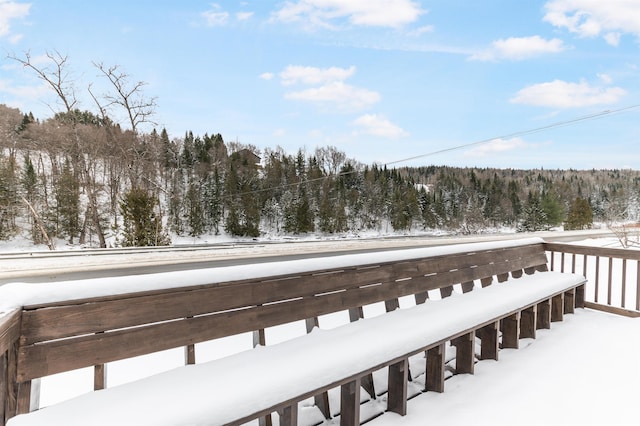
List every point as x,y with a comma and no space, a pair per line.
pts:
10,10
371,13
563,94
337,95
267,76
612,38
244,16
496,146
278,133
518,48
592,18
215,17
605,78
378,125
294,74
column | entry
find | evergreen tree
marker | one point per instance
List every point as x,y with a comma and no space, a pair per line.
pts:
68,203
142,226
29,186
552,207
8,197
533,216
580,215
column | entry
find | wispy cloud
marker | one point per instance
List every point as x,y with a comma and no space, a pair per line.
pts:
328,91
217,17
332,14
378,125
294,74
10,10
496,146
519,48
591,18
337,96
563,94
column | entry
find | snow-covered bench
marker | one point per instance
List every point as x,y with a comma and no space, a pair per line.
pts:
59,335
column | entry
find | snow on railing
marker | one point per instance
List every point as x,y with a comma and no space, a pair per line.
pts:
613,275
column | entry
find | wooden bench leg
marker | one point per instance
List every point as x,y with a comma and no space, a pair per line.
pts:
260,339
528,323
435,369
350,403
543,320
557,307
509,327
488,336
397,388
28,396
289,415
321,400
4,386
465,353
580,296
99,377
569,301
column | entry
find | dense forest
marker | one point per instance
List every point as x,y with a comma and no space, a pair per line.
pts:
78,177
81,177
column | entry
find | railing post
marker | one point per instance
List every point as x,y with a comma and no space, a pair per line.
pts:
623,297
609,281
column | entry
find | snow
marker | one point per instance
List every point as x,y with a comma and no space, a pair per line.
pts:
584,371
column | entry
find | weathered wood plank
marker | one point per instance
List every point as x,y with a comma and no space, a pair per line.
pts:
28,396
9,330
398,378
543,318
435,369
489,342
465,353
510,327
99,377
11,399
60,321
557,308
289,415
569,301
4,384
528,322
350,403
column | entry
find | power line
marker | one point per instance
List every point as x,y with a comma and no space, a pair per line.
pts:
521,133
573,121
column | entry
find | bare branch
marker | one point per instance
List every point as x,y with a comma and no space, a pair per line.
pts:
128,96
55,75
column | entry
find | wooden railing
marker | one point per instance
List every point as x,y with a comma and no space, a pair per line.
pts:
9,335
613,275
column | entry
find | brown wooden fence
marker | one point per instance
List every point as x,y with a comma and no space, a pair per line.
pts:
613,275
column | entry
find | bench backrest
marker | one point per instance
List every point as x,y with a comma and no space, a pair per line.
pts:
58,337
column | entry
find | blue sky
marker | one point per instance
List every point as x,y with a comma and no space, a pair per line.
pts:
382,80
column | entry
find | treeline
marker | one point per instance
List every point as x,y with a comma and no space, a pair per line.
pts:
80,177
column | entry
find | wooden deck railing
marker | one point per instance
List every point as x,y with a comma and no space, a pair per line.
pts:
613,275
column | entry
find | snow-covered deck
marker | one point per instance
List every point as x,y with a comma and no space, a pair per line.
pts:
584,371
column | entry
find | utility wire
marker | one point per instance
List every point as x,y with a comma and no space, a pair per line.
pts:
521,133
573,121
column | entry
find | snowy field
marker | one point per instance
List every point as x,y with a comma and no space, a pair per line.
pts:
584,371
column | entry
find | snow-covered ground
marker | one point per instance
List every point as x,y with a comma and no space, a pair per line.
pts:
584,371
